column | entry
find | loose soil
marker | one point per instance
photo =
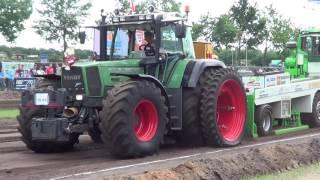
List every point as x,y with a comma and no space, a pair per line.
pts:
8,123
9,99
9,95
262,160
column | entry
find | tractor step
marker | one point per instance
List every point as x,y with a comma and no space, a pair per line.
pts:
175,108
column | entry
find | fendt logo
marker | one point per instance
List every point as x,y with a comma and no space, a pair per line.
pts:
71,77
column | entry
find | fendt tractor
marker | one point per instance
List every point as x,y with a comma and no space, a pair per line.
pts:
137,96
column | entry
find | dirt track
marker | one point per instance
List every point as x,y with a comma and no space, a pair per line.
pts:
19,163
9,99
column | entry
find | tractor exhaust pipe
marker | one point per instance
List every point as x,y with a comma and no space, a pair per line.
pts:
70,112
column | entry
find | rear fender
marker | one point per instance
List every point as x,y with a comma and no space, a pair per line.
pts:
195,68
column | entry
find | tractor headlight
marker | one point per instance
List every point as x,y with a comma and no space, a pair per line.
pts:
115,19
149,17
79,97
122,19
142,18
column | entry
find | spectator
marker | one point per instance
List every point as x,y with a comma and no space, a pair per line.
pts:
3,85
49,70
59,70
10,76
54,66
20,71
33,71
41,70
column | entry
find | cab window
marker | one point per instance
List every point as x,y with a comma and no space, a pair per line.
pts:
169,42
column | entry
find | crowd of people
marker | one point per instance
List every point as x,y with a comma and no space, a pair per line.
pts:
7,79
8,75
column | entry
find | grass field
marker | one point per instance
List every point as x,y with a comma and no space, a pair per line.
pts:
8,113
302,173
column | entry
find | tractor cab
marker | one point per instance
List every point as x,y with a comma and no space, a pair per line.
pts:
154,39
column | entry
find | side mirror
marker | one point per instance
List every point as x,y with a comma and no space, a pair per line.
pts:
291,45
82,37
181,30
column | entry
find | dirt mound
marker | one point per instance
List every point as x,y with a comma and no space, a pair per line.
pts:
260,160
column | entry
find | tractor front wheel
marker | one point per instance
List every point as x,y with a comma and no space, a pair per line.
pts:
222,107
133,119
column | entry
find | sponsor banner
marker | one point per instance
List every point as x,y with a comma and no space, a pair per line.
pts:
253,82
24,83
270,80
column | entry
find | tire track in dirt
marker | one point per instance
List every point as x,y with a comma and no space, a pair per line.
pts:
204,164
17,162
9,104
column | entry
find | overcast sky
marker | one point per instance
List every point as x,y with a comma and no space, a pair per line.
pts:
302,13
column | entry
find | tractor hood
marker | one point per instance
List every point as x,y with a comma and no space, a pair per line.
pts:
96,77
131,66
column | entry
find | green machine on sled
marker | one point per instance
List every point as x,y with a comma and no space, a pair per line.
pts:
287,100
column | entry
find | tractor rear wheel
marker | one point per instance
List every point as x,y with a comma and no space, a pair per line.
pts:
190,135
133,119
222,107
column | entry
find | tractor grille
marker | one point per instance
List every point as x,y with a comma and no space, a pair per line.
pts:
94,81
72,80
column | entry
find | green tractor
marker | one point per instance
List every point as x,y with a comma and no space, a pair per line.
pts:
135,97
303,60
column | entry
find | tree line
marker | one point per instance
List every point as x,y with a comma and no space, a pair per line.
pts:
245,26
53,54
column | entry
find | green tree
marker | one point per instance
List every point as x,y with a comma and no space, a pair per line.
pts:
60,19
220,30
249,23
160,5
278,31
225,32
12,15
124,6
282,32
204,28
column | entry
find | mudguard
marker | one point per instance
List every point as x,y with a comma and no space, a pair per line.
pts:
195,68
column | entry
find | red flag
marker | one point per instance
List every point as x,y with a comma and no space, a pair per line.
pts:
133,6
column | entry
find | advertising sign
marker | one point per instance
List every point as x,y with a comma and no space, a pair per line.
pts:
253,82
121,43
44,57
270,80
24,83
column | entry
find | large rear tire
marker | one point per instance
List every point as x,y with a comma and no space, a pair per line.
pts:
25,120
222,107
191,135
133,119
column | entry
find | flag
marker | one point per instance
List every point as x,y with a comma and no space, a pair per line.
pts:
133,6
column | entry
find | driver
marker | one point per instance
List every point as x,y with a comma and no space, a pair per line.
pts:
149,47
